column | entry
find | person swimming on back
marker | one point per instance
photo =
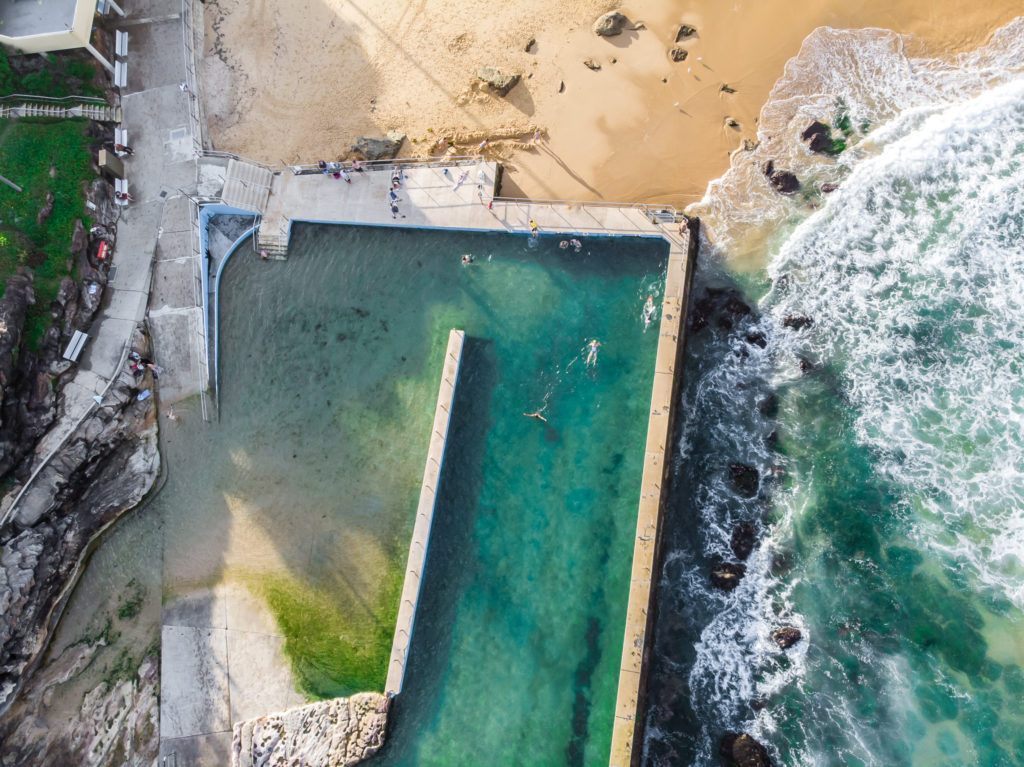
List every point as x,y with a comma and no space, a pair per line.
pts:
592,348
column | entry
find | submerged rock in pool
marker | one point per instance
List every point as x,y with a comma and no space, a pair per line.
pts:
745,479
741,750
786,637
727,575
743,539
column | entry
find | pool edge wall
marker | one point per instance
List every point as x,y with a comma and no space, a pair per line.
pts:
641,610
424,515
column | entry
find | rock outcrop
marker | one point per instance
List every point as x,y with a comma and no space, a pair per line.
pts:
118,721
741,750
745,479
337,732
499,82
678,53
743,540
370,148
685,31
727,575
611,24
782,181
786,637
103,469
797,321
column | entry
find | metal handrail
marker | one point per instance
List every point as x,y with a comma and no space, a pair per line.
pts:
468,159
649,209
56,99
272,167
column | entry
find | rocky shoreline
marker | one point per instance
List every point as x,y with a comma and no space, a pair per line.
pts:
103,470
342,731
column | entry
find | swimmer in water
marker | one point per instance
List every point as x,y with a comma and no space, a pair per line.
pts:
648,312
592,352
536,415
563,244
466,259
576,244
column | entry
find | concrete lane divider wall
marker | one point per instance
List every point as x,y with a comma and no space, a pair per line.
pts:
424,515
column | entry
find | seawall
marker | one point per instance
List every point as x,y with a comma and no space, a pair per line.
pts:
641,612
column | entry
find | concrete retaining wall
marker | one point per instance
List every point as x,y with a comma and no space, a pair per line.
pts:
424,515
630,703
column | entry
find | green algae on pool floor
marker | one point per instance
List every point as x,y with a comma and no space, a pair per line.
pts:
306,489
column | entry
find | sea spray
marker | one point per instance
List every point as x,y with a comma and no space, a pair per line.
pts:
894,535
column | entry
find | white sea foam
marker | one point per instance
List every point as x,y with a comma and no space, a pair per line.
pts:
914,274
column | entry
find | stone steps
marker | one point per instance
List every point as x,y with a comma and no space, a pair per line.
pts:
98,112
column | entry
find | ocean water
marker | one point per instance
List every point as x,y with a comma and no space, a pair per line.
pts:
888,435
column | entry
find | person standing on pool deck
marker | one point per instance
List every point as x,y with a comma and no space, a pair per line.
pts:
533,227
394,210
592,352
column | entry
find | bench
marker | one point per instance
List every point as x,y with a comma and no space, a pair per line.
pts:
120,191
78,339
120,74
121,43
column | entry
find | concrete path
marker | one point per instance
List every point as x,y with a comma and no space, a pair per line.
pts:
431,198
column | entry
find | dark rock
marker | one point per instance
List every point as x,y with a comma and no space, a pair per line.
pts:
806,366
784,181
772,439
745,479
731,122
379,148
46,210
829,187
726,89
727,575
685,31
819,136
79,239
757,339
591,64
678,53
769,405
530,45
498,81
701,315
610,24
736,307
743,540
782,563
561,86
786,637
18,296
816,128
741,750
796,321
769,168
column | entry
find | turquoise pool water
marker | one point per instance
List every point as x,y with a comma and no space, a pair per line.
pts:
330,365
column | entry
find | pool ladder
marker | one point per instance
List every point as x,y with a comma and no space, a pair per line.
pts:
275,245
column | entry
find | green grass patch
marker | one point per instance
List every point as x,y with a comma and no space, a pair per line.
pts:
63,75
28,151
335,649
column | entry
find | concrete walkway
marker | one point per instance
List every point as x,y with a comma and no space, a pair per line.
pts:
431,198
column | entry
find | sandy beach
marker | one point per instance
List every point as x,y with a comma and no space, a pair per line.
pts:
302,80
